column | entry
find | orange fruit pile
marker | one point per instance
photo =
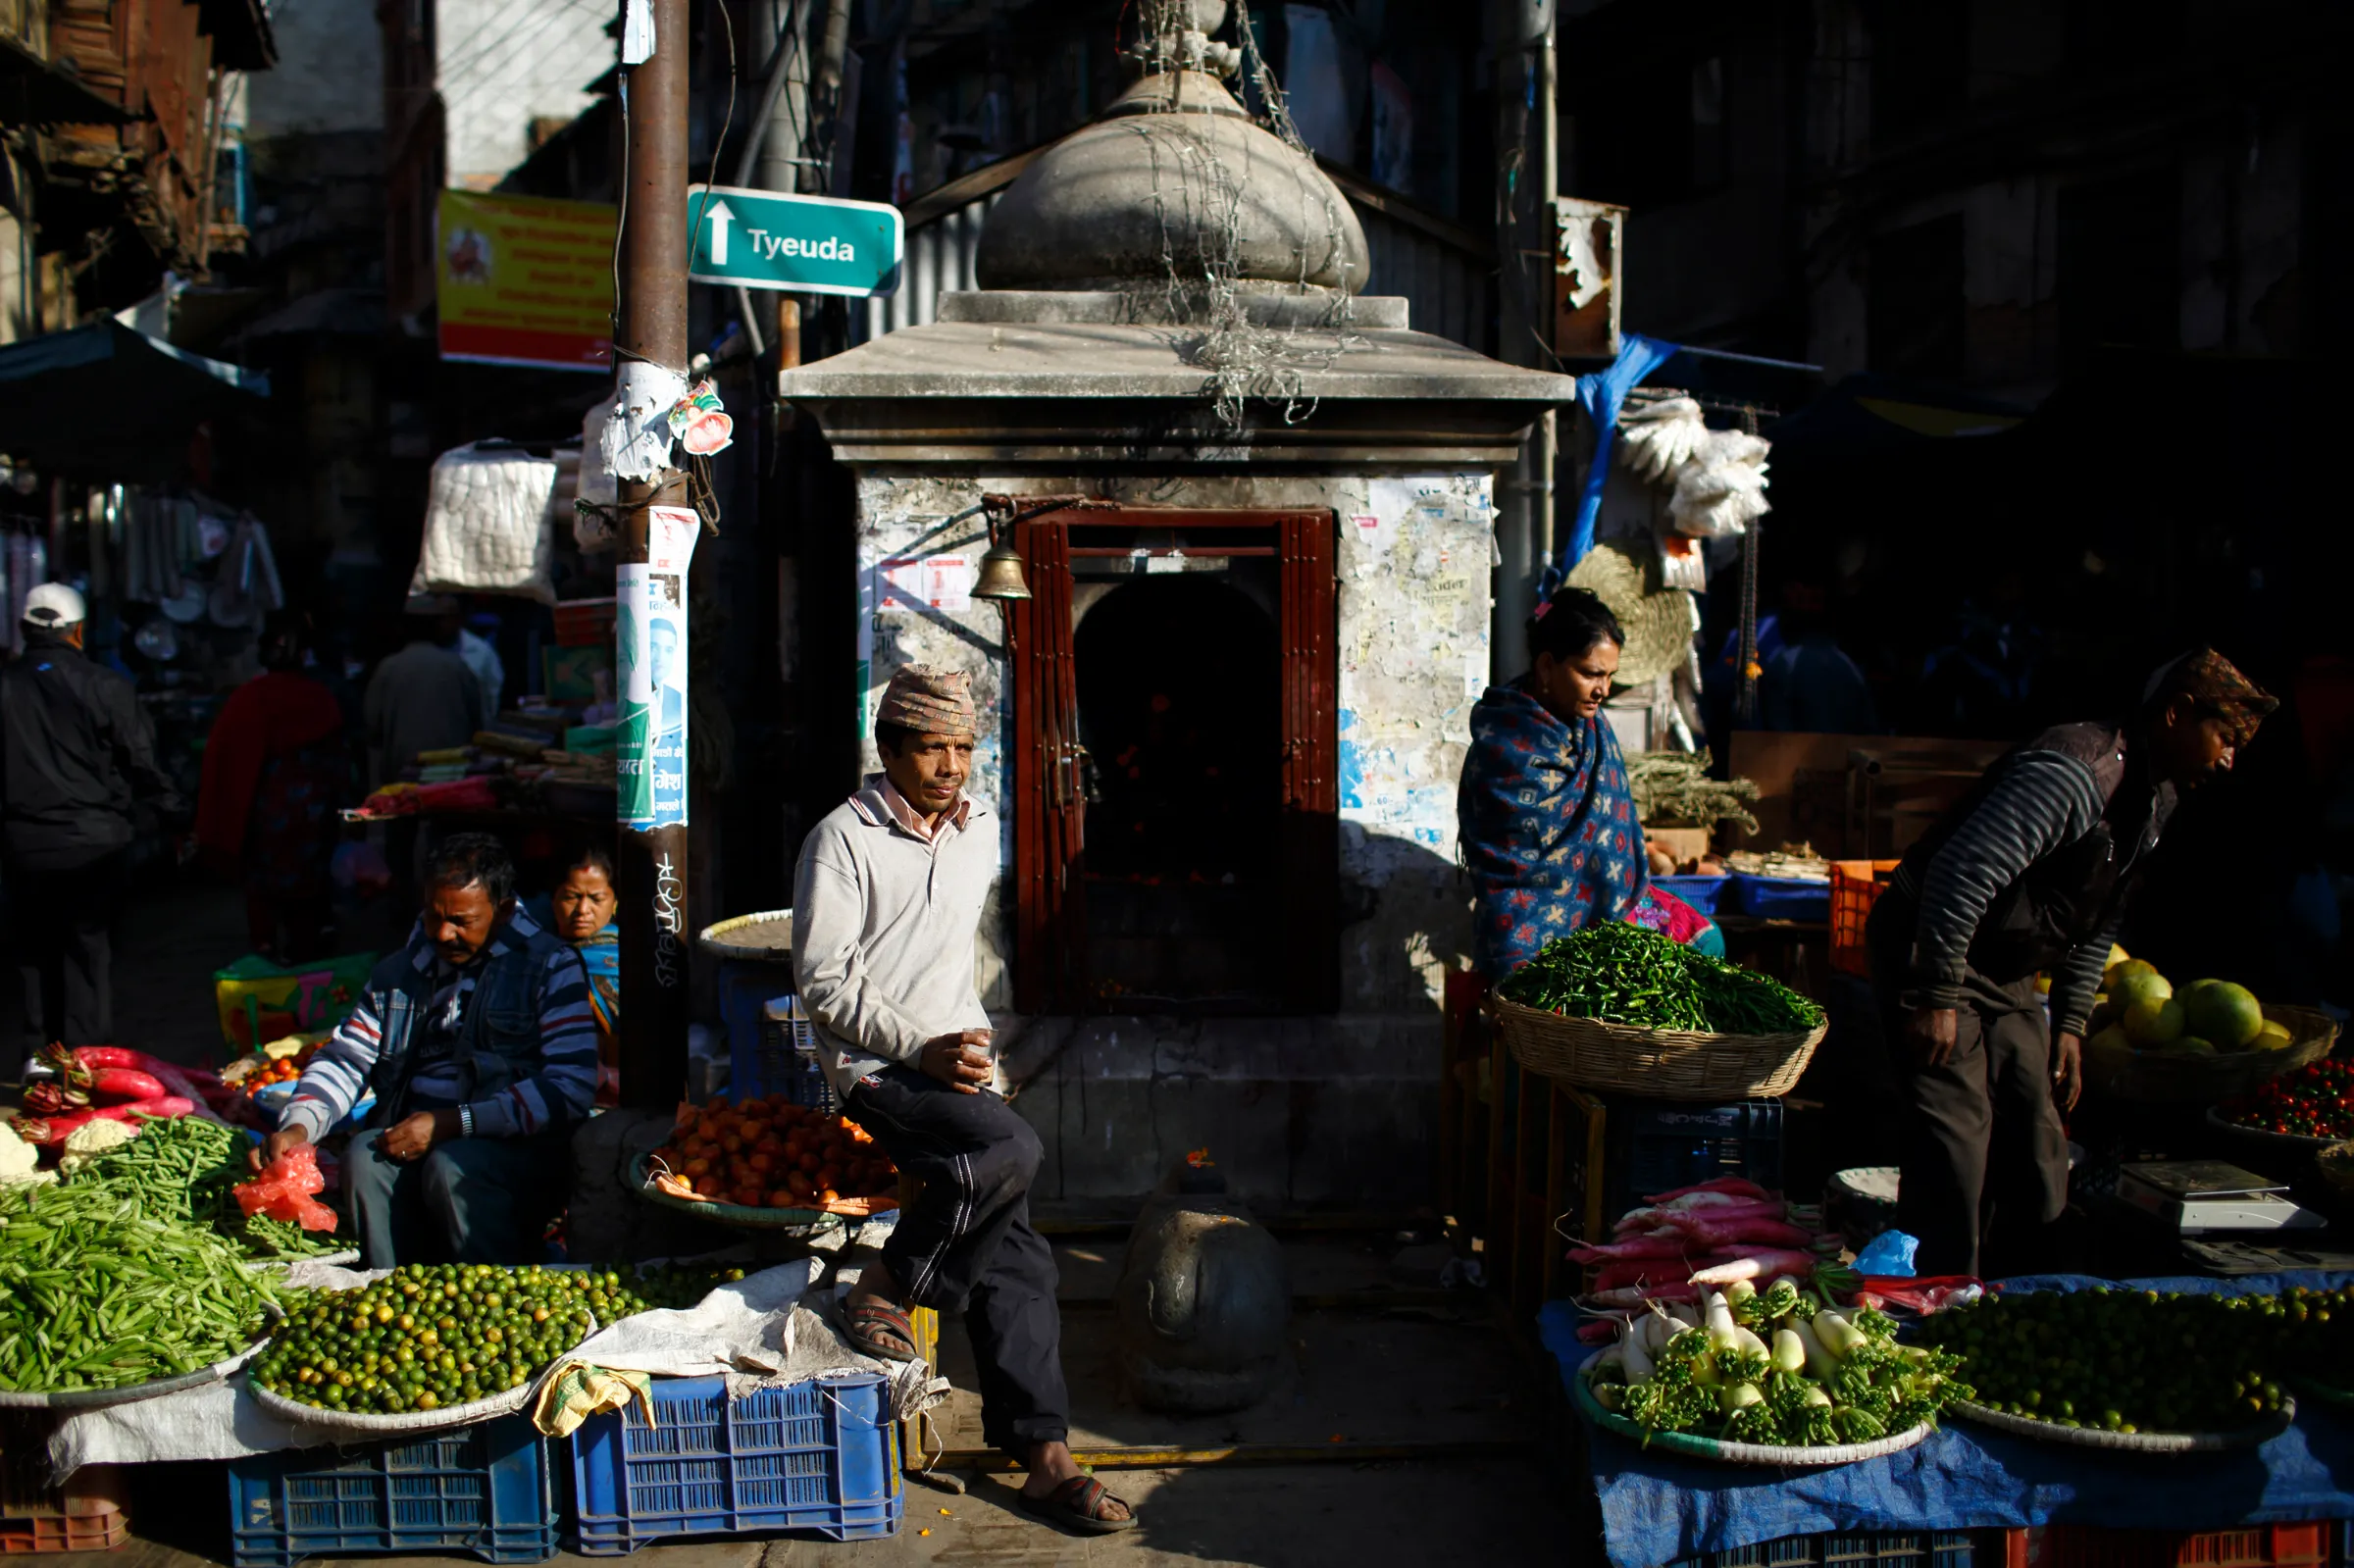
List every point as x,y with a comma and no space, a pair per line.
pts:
279,1070
771,1153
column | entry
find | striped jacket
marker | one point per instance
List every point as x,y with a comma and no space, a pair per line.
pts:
525,1055
2033,869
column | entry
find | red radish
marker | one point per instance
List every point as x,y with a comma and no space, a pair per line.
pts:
1729,1208
122,1083
1755,1263
1734,1185
1641,1246
1635,1271
1636,1295
1714,1236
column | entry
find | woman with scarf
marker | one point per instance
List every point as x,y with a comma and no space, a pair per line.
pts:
276,768
580,910
1548,830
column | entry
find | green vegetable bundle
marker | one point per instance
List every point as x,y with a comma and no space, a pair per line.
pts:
97,1292
1775,1369
1624,973
182,1169
429,1336
2125,1361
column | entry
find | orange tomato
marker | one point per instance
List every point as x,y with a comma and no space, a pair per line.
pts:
797,1183
829,1195
780,1200
698,1167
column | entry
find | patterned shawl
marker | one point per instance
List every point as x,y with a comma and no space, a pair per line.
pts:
1549,832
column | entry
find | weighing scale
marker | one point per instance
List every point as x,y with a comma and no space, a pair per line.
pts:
2205,1198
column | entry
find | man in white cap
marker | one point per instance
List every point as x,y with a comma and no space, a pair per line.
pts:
76,755
886,901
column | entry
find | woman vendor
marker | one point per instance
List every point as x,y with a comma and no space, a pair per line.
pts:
580,910
1549,828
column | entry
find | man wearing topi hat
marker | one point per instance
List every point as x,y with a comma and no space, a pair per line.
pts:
886,901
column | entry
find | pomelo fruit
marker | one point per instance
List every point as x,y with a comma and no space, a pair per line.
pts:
2227,1014
2158,1021
2109,1051
2270,1037
2191,1045
2117,970
2131,991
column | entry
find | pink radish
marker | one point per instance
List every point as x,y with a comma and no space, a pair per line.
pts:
1732,1184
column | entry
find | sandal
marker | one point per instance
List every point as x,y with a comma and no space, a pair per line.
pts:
1077,1505
878,1329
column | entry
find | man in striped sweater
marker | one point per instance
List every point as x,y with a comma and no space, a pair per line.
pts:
2031,873
480,1047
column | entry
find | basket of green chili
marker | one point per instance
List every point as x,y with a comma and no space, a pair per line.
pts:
1614,1006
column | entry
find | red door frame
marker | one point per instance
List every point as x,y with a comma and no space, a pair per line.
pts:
1049,804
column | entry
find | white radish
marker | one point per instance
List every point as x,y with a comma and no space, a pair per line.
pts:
1738,1397
1632,1355
1717,1312
1685,1313
1821,1363
1740,1290
1816,1397
1838,1336
1789,1352
1749,1343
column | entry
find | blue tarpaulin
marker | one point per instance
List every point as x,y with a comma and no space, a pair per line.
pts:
1659,1508
1601,396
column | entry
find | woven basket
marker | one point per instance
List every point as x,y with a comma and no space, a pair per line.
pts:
2247,1437
1664,1064
2159,1078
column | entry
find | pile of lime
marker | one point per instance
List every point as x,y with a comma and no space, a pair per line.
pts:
675,1284
2124,1361
429,1336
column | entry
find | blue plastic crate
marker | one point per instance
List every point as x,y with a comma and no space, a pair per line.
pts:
1703,894
821,1458
1777,898
1886,1550
1659,1145
482,1490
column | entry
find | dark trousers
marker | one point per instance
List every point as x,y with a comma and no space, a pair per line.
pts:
468,1200
965,1243
1982,1141
62,923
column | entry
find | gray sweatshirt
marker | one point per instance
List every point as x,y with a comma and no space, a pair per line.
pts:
882,929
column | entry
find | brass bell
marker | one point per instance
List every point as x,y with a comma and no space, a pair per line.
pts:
1002,575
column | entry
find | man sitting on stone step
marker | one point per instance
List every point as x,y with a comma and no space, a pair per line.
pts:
886,901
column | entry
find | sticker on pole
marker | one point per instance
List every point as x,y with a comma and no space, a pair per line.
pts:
650,630
809,245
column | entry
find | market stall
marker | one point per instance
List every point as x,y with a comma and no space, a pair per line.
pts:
160,1301
1660,1506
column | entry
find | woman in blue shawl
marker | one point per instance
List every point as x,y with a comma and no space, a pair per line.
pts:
579,909
1548,830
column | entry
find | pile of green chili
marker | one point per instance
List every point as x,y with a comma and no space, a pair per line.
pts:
1624,973
96,1293
184,1169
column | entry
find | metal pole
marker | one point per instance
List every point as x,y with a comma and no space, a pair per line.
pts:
652,329
1545,528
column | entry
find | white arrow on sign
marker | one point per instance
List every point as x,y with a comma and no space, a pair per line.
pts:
720,219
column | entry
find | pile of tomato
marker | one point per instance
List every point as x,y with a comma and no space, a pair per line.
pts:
2313,1102
771,1153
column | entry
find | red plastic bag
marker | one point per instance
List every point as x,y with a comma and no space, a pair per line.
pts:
284,1190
